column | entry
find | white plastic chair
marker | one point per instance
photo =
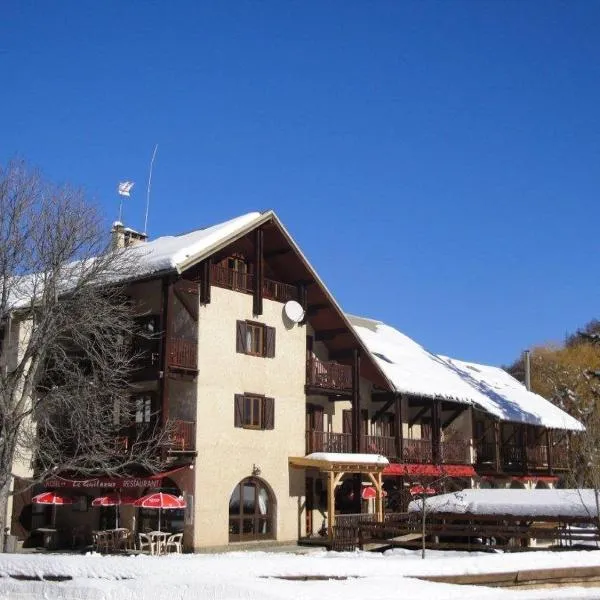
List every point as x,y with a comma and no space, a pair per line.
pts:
174,543
145,543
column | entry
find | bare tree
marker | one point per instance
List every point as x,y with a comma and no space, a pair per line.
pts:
65,337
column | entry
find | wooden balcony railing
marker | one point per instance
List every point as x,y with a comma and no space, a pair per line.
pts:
183,354
232,279
378,444
281,292
415,451
516,457
455,452
182,435
325,441
244,282
328,375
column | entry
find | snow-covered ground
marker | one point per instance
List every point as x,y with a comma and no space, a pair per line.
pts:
253,575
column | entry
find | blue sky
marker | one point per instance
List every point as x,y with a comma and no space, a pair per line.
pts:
438,162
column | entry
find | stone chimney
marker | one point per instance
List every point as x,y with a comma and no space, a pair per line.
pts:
123,237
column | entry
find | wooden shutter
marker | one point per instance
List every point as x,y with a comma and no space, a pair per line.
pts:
240,337
347,421
238,410
268,413
270,342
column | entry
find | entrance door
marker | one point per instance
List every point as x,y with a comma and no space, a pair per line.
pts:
251,511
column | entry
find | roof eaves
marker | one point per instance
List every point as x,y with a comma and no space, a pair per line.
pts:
331,298
192,260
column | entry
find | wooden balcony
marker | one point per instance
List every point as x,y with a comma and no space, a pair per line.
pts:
414,451
328,375
325,441
515,457
244,282
182,436
183,354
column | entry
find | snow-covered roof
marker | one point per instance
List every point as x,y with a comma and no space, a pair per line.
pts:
178,252
337,457
548,503
414,370
502,395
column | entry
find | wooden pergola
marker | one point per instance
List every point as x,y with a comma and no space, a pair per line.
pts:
336,466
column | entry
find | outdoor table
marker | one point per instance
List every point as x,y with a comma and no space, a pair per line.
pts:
49,535
160,539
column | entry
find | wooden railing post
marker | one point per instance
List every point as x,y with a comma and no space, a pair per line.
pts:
356,421
398,439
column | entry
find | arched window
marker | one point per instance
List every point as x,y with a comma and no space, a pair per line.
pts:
251,511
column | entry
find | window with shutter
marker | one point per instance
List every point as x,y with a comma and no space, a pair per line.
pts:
255,339
252,411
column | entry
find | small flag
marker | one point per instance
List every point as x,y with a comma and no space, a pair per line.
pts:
125,188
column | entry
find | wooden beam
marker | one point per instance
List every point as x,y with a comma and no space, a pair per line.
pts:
382,410
329,334
453,416
205,281
436,431
278,252
356,420
313,309
383,396
425,409
399,438
341,355
497,436
259,275
330,504
549,450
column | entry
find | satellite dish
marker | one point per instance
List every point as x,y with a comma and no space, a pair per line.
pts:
293,311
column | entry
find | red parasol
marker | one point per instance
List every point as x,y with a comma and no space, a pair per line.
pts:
161,501
113,500
54,499
51,498
370,492
420,490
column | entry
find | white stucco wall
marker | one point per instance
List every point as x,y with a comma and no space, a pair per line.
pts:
227,454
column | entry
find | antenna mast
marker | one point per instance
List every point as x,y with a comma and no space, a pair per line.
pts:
148,189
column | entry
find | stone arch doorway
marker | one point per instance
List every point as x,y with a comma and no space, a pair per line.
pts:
251,511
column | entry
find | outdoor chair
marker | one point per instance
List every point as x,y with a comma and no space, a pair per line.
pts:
101,541
174,543
145,543
122,539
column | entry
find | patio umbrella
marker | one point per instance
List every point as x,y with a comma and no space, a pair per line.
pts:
54,499
370,492
114,500
161,501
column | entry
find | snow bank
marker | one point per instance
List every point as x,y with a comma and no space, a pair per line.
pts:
549,503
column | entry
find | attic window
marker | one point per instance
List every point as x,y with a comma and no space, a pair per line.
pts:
383,357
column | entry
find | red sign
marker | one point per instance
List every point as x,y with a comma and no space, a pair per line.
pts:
112,483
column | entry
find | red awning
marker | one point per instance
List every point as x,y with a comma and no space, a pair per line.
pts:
113,483
426,470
